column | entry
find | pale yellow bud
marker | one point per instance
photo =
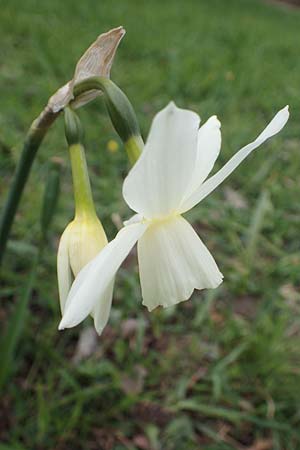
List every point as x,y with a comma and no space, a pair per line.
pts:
81,241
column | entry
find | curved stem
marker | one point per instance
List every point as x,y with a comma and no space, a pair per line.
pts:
89,84
32,142
120,111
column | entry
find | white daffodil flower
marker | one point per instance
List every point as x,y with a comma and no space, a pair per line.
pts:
84,237
168,179
81,241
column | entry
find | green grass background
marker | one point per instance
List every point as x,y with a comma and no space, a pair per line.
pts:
218,372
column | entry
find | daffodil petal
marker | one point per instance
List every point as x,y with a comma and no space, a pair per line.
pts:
102,309
173,262
158,181
208,186
64,272
133,219
208,149
89,288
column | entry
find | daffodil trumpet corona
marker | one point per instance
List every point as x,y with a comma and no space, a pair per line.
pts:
169,178
84,237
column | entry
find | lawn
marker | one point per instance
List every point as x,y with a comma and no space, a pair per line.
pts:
220,371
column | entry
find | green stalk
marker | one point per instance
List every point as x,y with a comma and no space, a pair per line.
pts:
84,204
133,147
120,111
33,140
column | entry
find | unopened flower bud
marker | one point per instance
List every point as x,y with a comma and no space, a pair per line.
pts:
73,128
84,237
81,241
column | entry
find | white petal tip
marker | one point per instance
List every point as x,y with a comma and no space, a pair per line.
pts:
282,117
215,121
285,111
61,326
149,308
218,283
275,126
171,106
99,331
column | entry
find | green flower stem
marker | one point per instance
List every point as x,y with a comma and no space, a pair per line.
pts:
133,147
84,204
32,142
120,111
